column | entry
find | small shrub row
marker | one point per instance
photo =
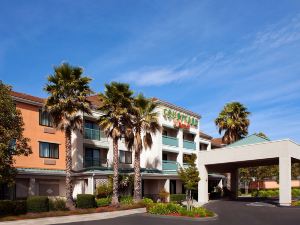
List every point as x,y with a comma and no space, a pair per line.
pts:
85,201
178,198
172,208
9,207
32,204
38,204
269,193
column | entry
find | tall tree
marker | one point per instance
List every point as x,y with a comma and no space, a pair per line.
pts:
68,90
233,121
12,141
262,135
143,124
116,102
189,177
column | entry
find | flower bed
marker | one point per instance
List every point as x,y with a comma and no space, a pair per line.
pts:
171,209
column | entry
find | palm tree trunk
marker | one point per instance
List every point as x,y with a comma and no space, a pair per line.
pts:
137,176
69,187
115,200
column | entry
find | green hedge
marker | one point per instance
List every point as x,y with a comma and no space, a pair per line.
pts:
269,193
177,198
9,207
37,204
85,201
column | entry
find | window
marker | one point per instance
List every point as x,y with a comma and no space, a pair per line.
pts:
45,118
91,130
49,150
94,157
125,157
12,146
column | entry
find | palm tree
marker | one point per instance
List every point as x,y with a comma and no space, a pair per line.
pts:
144,123
67,103
233,120
116,101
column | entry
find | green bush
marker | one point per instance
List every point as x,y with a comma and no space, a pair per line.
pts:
295,192
147,201
6,207
85,201
103,202
37,204
20,207
57,204
178,198
164,208
273,193
126,200
170,208
104,190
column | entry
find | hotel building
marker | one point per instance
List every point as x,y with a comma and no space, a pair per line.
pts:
43,172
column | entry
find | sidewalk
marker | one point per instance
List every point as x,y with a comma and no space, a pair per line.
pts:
75,218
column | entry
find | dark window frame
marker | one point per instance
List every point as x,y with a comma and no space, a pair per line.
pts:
49,120
125,152
51,156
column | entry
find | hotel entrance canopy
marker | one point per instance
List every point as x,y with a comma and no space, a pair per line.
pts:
232,157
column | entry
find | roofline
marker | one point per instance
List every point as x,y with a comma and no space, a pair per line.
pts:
265,142
27,101
171,105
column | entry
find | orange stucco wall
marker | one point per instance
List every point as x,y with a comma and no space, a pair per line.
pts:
36,133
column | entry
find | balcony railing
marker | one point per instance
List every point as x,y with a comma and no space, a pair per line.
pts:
169,165
189,144
172,141
94,134
95,163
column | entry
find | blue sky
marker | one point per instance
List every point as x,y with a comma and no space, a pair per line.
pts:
196,54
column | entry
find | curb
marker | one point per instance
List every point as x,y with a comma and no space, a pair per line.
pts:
185,218
75,218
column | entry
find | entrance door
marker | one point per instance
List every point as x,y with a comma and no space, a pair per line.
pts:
172,186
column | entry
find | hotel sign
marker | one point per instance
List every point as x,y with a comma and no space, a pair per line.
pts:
181,120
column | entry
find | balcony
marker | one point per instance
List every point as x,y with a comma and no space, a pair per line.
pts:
172,141
189,145
170,165
94,134
95,163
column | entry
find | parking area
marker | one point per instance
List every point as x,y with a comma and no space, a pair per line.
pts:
229,213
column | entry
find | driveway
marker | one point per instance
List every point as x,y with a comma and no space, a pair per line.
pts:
230,213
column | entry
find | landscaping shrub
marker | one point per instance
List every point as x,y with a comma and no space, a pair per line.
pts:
6,207
104,190
163,195
171,208
147,201
20,207
103,202
57,204
37,204
295,192
164,208
85,201
178,198
126,200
